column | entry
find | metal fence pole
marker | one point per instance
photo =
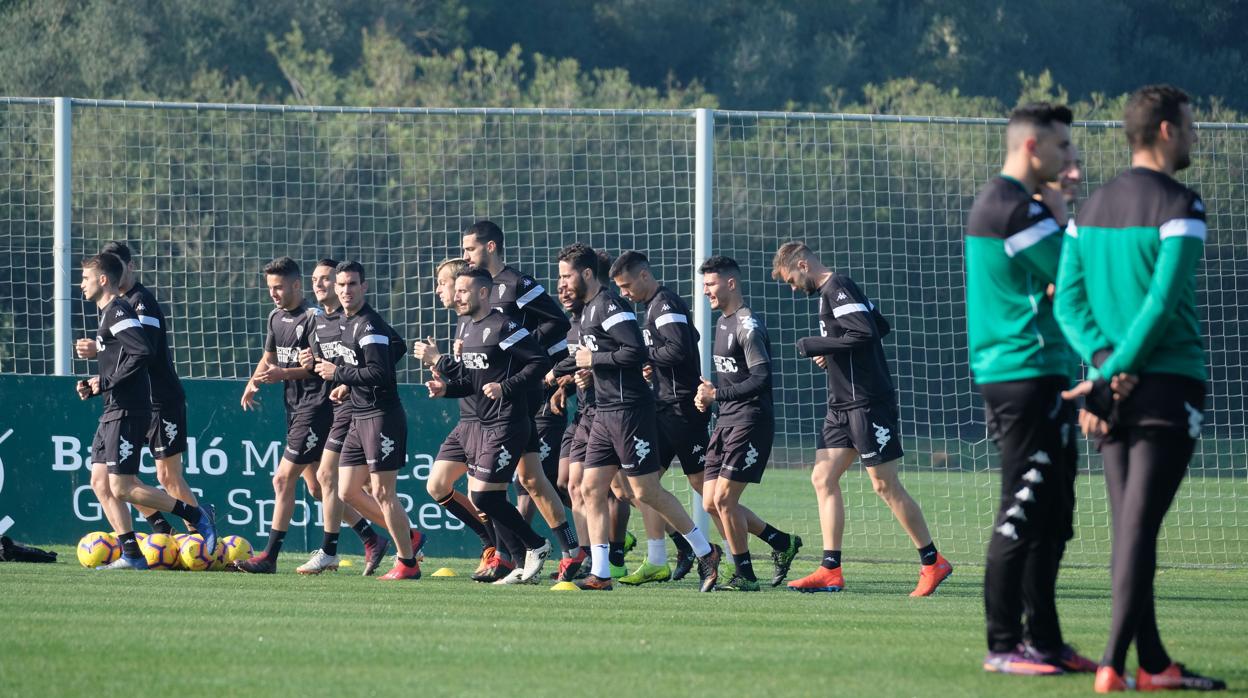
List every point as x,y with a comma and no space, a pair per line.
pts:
62,222
703,199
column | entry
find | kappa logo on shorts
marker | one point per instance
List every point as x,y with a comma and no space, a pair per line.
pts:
1195,419
1033,476
1008,530
311,442
1016,512
171,429
124,449
504,458
751,457
697,448
882,435
387,446
1025,495
1040,457
543,452
642,446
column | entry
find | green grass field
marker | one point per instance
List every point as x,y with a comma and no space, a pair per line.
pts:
68,631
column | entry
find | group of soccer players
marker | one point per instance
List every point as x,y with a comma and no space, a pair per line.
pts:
1113,288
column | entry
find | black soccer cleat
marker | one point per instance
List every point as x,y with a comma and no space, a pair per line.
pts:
257,564
708,568
784,559
684,565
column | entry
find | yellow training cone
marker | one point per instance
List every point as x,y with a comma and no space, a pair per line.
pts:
444,572
565,586
346,563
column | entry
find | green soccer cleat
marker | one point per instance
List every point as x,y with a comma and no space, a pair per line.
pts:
739,583
619,571
630,542
647,573
784,558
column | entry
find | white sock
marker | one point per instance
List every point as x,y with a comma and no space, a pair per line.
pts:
600,565
656,551
697,541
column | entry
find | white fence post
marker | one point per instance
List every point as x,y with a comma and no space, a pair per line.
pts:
703,200
62,222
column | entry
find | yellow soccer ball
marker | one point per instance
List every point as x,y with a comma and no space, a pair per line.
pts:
161,551
98,548
195,556
236,548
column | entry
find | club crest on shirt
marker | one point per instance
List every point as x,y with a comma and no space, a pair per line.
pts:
502,288
1035,209
485,334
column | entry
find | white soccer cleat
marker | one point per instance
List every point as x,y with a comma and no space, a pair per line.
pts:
515,577
534,560
318,563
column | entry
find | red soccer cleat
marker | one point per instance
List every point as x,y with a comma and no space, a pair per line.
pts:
930,576
822,579
401,571
1108,681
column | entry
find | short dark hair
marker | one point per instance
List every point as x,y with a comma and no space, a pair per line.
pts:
480,277
350,267
108,264
631,262
284,267
1041,114
581,256
1147,107
720,264
327,262
120,249
486,231
604,265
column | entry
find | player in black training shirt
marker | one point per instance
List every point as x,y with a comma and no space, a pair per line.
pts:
500,365
325,336
623,435
288,330
741,443
862,420
522,298
166,435
367,352
451,462
123,351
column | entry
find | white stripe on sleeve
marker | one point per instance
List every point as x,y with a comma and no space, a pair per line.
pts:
842,310
670,318
149,320
374,339
530,296
1184,227
127,324
515,337
1026,238
617,319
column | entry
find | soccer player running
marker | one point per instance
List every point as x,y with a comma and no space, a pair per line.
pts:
1022,363
623,434
523,299
324,342
166,435
675,371
451,462
502,365
741,442
288,330
365,362
862,422
123,351
1126,298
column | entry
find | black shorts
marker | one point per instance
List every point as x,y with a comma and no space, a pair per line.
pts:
496,450
454,448
580,439
1034,429
338,430
626,438
379,441
872,431
118,442
684,432
1164,401
305,436
569,437
739,453
549,445
166,433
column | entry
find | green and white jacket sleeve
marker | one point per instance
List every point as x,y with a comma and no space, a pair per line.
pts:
1074,314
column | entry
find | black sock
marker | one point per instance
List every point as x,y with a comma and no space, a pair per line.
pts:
408,561
831,559
744,565
496,506
159,523
274,548
329,544
130,545
585,550
777,539
187,512
927,554
615,554
566,535
365,531
461,512
505,542
682,545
